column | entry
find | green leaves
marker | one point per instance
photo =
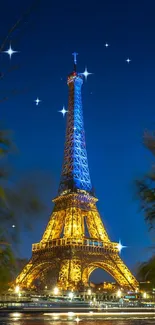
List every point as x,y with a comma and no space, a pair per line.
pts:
7,265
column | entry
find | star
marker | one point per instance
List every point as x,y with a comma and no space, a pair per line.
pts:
106,45
77,319
37,101
10,51
13,226
63,111
86,73
120,246
128,60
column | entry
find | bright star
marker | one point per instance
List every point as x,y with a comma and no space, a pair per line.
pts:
128,60
37,101
86,73
63,111
120,246
10,51
106,45
77,319
13,226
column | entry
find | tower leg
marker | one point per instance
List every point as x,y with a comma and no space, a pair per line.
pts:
37,269
70,274
95,225
113,265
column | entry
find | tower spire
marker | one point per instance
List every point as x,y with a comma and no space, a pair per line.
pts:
75,171
75,60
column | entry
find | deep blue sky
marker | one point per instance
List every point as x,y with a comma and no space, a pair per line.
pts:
118,101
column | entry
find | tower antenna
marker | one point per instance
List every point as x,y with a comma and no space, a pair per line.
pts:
75,60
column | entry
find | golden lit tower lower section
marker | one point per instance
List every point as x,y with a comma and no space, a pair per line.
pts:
75,241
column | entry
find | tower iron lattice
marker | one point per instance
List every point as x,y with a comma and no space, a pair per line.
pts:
65,248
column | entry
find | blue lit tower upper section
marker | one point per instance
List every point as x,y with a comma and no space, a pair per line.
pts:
75,172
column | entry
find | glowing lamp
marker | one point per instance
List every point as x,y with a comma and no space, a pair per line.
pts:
56,291
71,313
17,289
119,293
71,295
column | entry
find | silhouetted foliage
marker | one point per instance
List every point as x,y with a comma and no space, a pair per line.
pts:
146,194
7,265
146,271
20,200
146,185
21,203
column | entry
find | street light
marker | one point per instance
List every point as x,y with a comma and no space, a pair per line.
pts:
56,291
71,295
119,293
17,289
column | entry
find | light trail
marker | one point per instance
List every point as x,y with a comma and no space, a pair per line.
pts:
97,308
103,314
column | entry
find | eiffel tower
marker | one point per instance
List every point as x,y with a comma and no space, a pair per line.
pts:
65,248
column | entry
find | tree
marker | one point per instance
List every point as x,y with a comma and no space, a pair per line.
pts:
146,271
7,261
7,265
21,198
146,195
21,203
146,185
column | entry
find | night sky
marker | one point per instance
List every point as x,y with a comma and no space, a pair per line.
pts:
118,101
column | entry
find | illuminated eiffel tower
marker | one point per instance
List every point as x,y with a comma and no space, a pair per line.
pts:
65,249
